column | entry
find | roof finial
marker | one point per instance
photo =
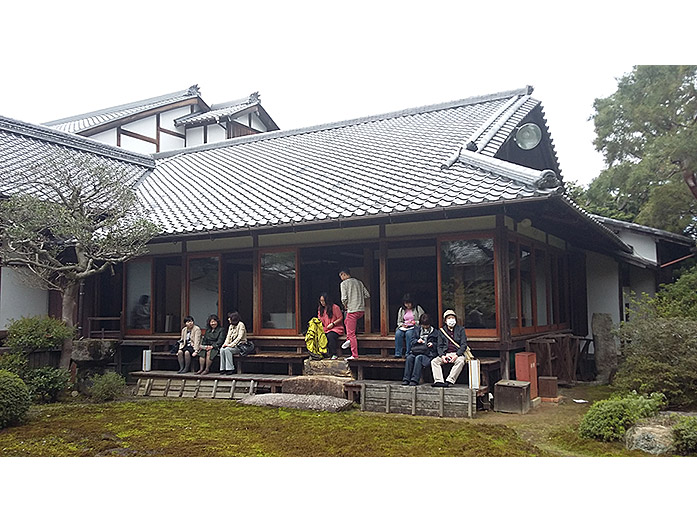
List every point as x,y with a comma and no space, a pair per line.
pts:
194,90
254,98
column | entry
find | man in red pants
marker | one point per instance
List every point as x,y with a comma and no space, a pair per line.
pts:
353,296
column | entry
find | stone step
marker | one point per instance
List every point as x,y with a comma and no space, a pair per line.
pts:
338,368
316,385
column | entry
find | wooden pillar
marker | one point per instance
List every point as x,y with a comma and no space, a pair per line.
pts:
503,294
384,313
368,272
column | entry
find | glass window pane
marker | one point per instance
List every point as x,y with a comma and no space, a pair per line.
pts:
238,287
541,268
467,277
525,286
138,294
168,294
203,289
278,290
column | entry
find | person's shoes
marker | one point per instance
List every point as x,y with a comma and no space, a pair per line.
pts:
200,371
350,358
448,384
438,384
180,371
334,357
204,372
405,382
413,383
346,344
397,356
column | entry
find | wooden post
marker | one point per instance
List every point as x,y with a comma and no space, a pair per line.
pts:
148,386
441,405
250,391
181,388
362,396
469,401
413,401
388,390
138,386
232,389
215,388
169,382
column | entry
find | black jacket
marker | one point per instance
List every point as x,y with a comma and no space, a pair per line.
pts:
423,348
214,337
460,338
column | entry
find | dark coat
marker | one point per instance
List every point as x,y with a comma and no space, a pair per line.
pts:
418,348
214,337
460,338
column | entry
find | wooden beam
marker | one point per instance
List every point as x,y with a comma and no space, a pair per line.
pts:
138,136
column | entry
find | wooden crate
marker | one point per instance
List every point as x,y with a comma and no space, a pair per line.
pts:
422,400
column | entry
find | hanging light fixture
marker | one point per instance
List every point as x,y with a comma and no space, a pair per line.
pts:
528,136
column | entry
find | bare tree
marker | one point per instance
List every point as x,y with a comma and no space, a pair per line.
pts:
69,218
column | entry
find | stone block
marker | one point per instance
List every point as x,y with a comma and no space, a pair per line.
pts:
318,385
299,401
339,368
651,438
93,350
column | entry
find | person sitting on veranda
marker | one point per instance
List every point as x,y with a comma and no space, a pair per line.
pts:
422,350
332,320
407,319
236,334
189,343
210,344
452,344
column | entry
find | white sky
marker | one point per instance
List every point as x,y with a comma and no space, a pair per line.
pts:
319,62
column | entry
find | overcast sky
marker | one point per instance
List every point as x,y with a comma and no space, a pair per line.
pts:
319,62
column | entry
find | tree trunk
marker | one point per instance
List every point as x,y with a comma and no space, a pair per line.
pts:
69,306
691,181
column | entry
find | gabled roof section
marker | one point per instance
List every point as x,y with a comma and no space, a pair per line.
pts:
373,166
28,149
617,225
228,111
97,121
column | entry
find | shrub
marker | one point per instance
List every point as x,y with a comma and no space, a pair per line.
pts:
14,399
107,386
609,419
46,383
679,299
14,362
685,435
659,355
37,333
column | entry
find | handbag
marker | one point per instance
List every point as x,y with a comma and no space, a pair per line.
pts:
246,348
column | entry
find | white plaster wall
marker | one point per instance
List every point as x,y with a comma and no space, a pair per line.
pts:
602,276
644,246
167,118
215,133
145,126
194,136
17,300
257,123
107,137
137,146
169,142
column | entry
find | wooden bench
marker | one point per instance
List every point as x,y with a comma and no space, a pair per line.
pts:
172,384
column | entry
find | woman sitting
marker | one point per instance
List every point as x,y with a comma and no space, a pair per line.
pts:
332,320
210,344
407,319
424,347
189,343
236,334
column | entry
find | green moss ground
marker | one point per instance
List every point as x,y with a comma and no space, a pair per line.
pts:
168,427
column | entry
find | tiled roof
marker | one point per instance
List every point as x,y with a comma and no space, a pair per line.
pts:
219,112
380,165
26,149
643,229
84,122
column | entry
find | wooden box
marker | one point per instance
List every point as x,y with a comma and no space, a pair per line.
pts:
422,400
548,386
526,370
512,396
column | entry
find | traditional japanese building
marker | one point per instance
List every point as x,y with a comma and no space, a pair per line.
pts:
460,204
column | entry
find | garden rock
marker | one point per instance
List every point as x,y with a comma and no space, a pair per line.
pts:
606,348
93,350
321,385
298,401
339,368
654,439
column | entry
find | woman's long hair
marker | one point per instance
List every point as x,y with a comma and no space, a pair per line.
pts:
329,308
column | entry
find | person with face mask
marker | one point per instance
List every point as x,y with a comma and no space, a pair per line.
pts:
452,344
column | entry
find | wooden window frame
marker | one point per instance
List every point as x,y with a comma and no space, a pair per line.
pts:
493,334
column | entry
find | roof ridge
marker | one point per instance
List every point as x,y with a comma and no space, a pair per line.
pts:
191,91
47,134
347,123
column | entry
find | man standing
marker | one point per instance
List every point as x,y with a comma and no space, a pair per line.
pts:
353,296
452,344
